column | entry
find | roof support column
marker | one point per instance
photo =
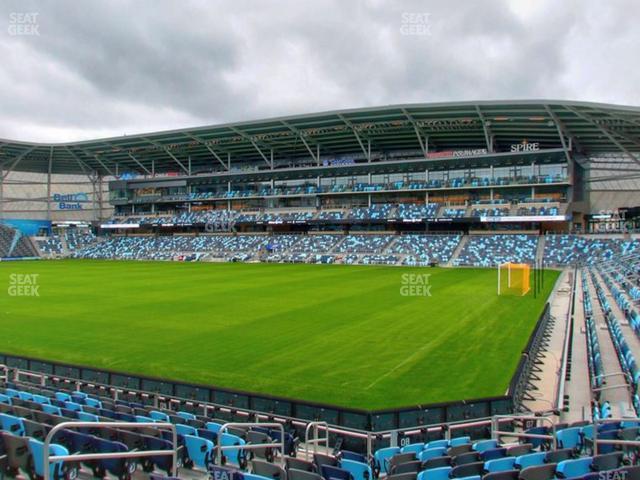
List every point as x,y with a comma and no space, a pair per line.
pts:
488,135
318,153
228,161
49,168
94,201
1,193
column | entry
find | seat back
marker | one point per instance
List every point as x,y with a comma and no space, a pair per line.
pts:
199,450
467,470
413,448
504,475
463,459
574,468
493,453
607,461
530,460
233,455
539,472
295,474
12,424
17,450
437,462
440,473
500,464
456,442
482,445
330,472
36,448
267,469
556,456
569,437
406,467
358,470
425,455
517,450
299,464
402,476
349,455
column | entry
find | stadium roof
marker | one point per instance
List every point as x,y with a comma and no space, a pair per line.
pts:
591,128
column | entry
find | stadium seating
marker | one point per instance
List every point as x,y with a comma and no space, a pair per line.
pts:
492,250
579,250
79,240
24,422
424,249
51,245
13,244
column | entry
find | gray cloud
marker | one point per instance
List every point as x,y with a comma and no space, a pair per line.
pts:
101,68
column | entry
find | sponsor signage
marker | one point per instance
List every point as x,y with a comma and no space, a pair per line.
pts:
71,201
472,152
120,225
525,147
524,218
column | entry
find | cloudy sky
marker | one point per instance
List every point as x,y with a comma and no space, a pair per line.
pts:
83,69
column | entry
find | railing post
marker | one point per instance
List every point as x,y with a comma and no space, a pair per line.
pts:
226,426
47,459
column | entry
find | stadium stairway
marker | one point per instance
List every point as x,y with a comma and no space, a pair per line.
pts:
463,241
577,386
618,398
65,245
545,380
335,248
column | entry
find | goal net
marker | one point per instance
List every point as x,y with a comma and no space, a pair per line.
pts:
514,279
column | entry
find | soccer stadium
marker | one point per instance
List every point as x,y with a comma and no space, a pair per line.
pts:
414,292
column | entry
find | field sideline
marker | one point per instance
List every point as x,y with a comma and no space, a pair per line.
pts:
328,333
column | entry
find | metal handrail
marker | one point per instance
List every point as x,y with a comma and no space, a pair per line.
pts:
495,433
43,377
316,440
226,426
367,436
48,459
4,376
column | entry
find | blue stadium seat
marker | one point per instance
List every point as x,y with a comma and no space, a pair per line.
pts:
574,468
358,470
441,473
199,450
56,469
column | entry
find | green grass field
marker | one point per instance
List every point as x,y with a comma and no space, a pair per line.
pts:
334,334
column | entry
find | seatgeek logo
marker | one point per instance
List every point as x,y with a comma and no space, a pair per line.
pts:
415,285
72,201
23,285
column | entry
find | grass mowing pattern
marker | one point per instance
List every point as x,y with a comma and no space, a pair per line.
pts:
335,334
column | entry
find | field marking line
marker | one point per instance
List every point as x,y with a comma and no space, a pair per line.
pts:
399,365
